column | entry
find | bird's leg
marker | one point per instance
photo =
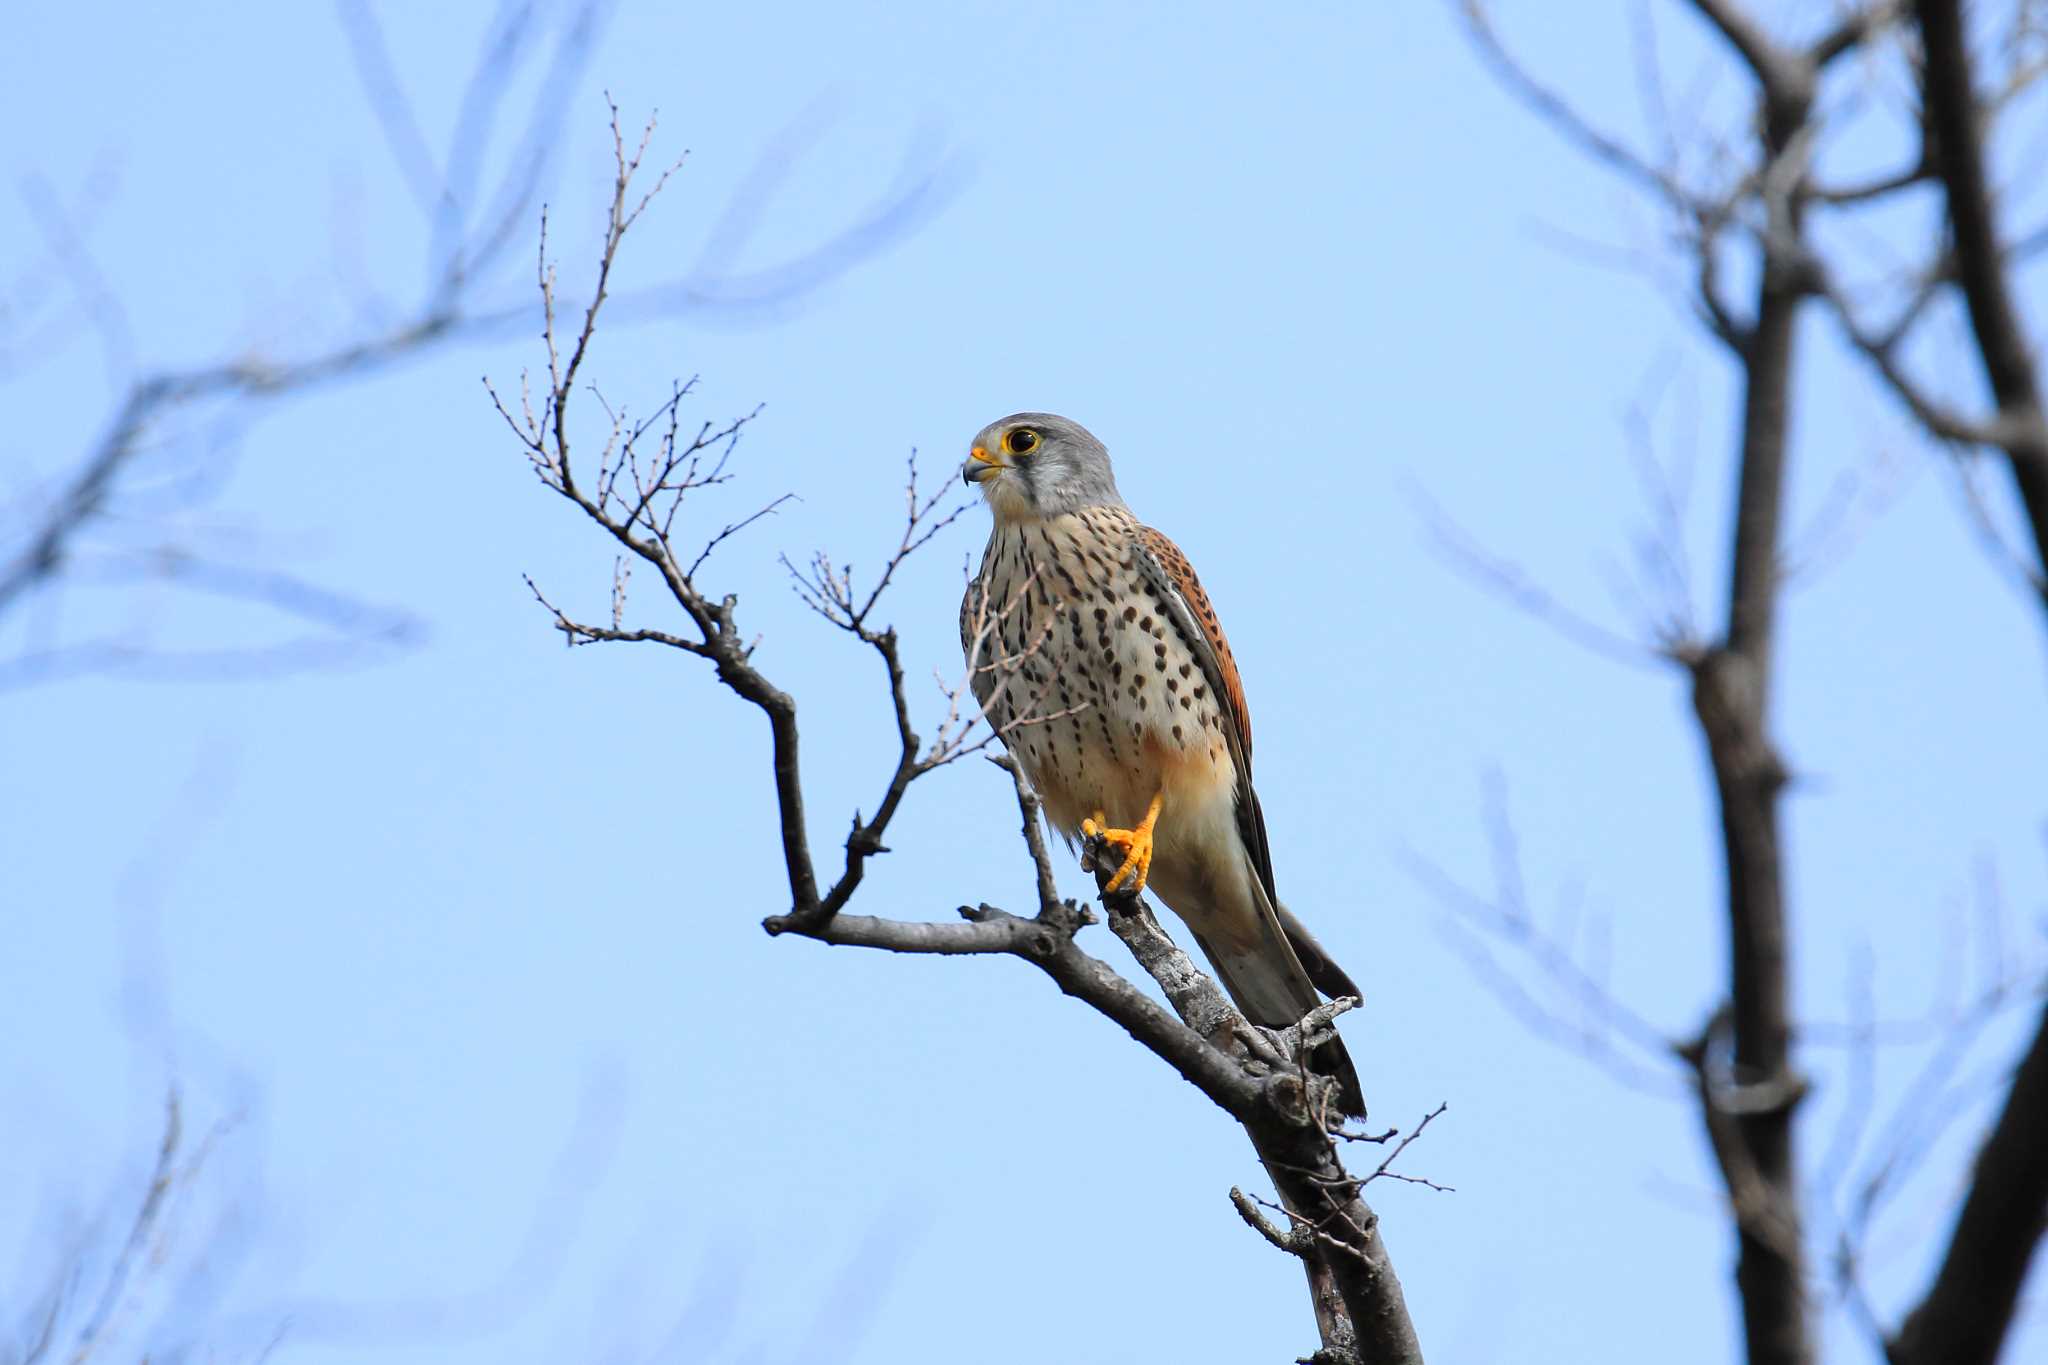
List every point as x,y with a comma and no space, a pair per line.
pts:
1135,843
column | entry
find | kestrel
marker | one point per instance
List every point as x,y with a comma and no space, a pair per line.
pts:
1096,655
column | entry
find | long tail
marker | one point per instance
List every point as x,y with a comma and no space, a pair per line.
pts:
1272,985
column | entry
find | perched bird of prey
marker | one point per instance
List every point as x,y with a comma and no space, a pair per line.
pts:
1095,653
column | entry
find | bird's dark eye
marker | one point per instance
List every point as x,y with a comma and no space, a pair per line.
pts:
1022,441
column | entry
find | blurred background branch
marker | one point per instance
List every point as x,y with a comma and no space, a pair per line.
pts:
1743,200
119,514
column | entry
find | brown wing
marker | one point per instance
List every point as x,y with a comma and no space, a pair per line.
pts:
1169,569
1211,647
1197,621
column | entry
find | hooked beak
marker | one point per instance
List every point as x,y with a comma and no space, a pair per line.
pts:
980,467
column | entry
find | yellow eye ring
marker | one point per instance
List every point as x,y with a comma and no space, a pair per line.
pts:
1022,441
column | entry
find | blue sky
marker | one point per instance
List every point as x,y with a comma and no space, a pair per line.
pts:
448,922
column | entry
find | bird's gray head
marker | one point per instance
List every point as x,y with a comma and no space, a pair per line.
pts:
1033,465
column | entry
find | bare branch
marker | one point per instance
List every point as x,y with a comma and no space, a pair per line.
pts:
1771,65
140,1231
1508,581
1592,1017
1855,28
388,102
96,297
1555,110
471,224
1385,1171
1763,1211
1745,1075
1294,1241
151,398
1746,1102
1968,1310
1875,188
1033,832
1959,155
1881,348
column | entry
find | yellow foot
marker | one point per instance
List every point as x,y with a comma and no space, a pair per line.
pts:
1135,843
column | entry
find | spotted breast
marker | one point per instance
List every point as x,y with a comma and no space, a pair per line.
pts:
1079,660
